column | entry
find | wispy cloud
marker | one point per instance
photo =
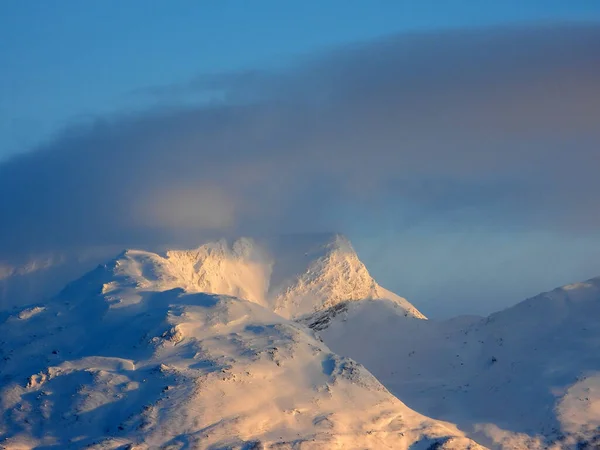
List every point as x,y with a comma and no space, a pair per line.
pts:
483,126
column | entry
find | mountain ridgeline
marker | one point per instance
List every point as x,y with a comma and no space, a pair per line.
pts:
289,343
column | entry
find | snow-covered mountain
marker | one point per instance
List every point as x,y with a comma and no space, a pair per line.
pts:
292,275
133,355
246,345
525,378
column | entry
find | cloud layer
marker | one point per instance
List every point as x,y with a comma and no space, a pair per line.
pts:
496,128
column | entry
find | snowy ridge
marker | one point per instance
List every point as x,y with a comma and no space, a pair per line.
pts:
524,378
177,370
287,277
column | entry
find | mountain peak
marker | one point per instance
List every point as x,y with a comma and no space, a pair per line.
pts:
290,275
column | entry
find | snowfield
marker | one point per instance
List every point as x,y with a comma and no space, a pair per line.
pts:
526,377
289,343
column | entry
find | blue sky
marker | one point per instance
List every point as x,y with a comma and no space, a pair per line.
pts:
65,60
455,142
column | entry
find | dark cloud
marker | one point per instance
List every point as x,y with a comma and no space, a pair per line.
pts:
485,126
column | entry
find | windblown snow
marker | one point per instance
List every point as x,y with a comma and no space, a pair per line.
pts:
289,276
289,343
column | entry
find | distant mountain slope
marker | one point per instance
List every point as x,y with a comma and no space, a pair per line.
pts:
42,277
134,366
524,378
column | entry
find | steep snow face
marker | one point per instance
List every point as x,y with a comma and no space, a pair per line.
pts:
335,276
170,369
524,378
290,276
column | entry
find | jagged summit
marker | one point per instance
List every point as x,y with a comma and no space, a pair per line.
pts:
290,275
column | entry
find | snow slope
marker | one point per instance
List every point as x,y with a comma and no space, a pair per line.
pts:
215,348
524,378
120,359
42,277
